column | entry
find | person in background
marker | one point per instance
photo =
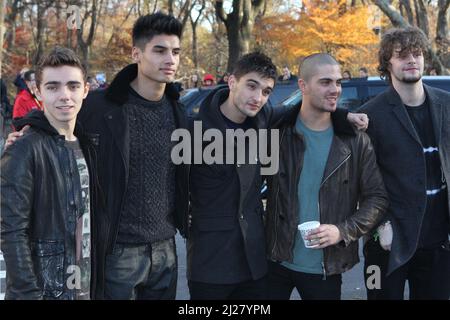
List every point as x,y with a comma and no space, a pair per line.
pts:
26,100
208,80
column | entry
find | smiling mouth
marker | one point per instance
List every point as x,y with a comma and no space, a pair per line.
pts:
64,107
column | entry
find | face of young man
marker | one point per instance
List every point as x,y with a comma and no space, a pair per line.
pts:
160,59
250,93
323,89
62,90
406,67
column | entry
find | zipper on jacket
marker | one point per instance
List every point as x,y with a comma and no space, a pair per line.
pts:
276,204
324,270
332,172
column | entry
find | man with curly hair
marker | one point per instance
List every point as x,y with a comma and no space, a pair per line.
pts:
410,131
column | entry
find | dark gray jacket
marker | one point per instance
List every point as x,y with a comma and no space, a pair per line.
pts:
402,163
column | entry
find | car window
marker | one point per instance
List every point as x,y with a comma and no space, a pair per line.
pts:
376,90
349,98
293,99
444,85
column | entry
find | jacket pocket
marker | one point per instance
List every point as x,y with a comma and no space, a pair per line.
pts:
48,260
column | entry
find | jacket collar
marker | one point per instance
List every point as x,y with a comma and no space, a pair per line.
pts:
340,124
118,91
399,110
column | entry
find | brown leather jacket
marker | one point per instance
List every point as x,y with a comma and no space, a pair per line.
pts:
352,194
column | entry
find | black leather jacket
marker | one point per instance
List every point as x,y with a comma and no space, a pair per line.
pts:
40,200
351,177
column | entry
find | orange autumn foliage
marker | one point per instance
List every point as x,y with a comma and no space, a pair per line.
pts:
322,26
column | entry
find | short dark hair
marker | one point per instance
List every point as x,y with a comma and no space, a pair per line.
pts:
27,75
255,62
150,25
308,66
409,39
59,57
363,69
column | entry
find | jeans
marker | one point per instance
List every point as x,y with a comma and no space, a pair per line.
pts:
142,272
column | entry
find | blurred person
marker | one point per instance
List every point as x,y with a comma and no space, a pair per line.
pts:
208,80
26,100
287,75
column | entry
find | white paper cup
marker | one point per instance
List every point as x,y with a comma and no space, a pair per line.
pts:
305,229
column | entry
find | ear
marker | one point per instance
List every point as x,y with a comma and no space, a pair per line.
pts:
136,54
302,85
232,82
87,85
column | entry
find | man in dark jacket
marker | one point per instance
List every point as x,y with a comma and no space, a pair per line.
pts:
328,173
410,131
225,247
135,118
46,195
226,243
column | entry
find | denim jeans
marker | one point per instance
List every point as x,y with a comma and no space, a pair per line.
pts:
142,272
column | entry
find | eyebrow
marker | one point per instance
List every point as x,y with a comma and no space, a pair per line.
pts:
165,48
258,83
59,82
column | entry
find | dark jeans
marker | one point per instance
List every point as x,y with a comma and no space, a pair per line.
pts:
142,272
248,290
428,274
281,281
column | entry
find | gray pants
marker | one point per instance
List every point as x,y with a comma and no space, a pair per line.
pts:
142,272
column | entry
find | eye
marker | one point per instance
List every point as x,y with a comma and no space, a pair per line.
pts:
74,86
267,92
251,86
176,52
51,88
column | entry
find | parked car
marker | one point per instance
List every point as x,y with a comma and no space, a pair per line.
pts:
356,92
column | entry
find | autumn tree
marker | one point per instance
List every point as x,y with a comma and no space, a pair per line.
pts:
320,26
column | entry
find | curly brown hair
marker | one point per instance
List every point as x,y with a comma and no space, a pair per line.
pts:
410,39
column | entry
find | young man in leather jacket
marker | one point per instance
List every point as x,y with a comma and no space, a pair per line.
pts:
48,190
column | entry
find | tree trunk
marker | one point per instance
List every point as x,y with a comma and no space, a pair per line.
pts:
239,25
422,17
194,23
409,14
11,21
85,45
2,19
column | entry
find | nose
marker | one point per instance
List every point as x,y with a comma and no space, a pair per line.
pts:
335,88
64,93
171,58
258,96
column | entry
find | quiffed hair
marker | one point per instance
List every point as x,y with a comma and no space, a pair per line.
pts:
150,25
59,57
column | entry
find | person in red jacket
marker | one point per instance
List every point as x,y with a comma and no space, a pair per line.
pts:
26,100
